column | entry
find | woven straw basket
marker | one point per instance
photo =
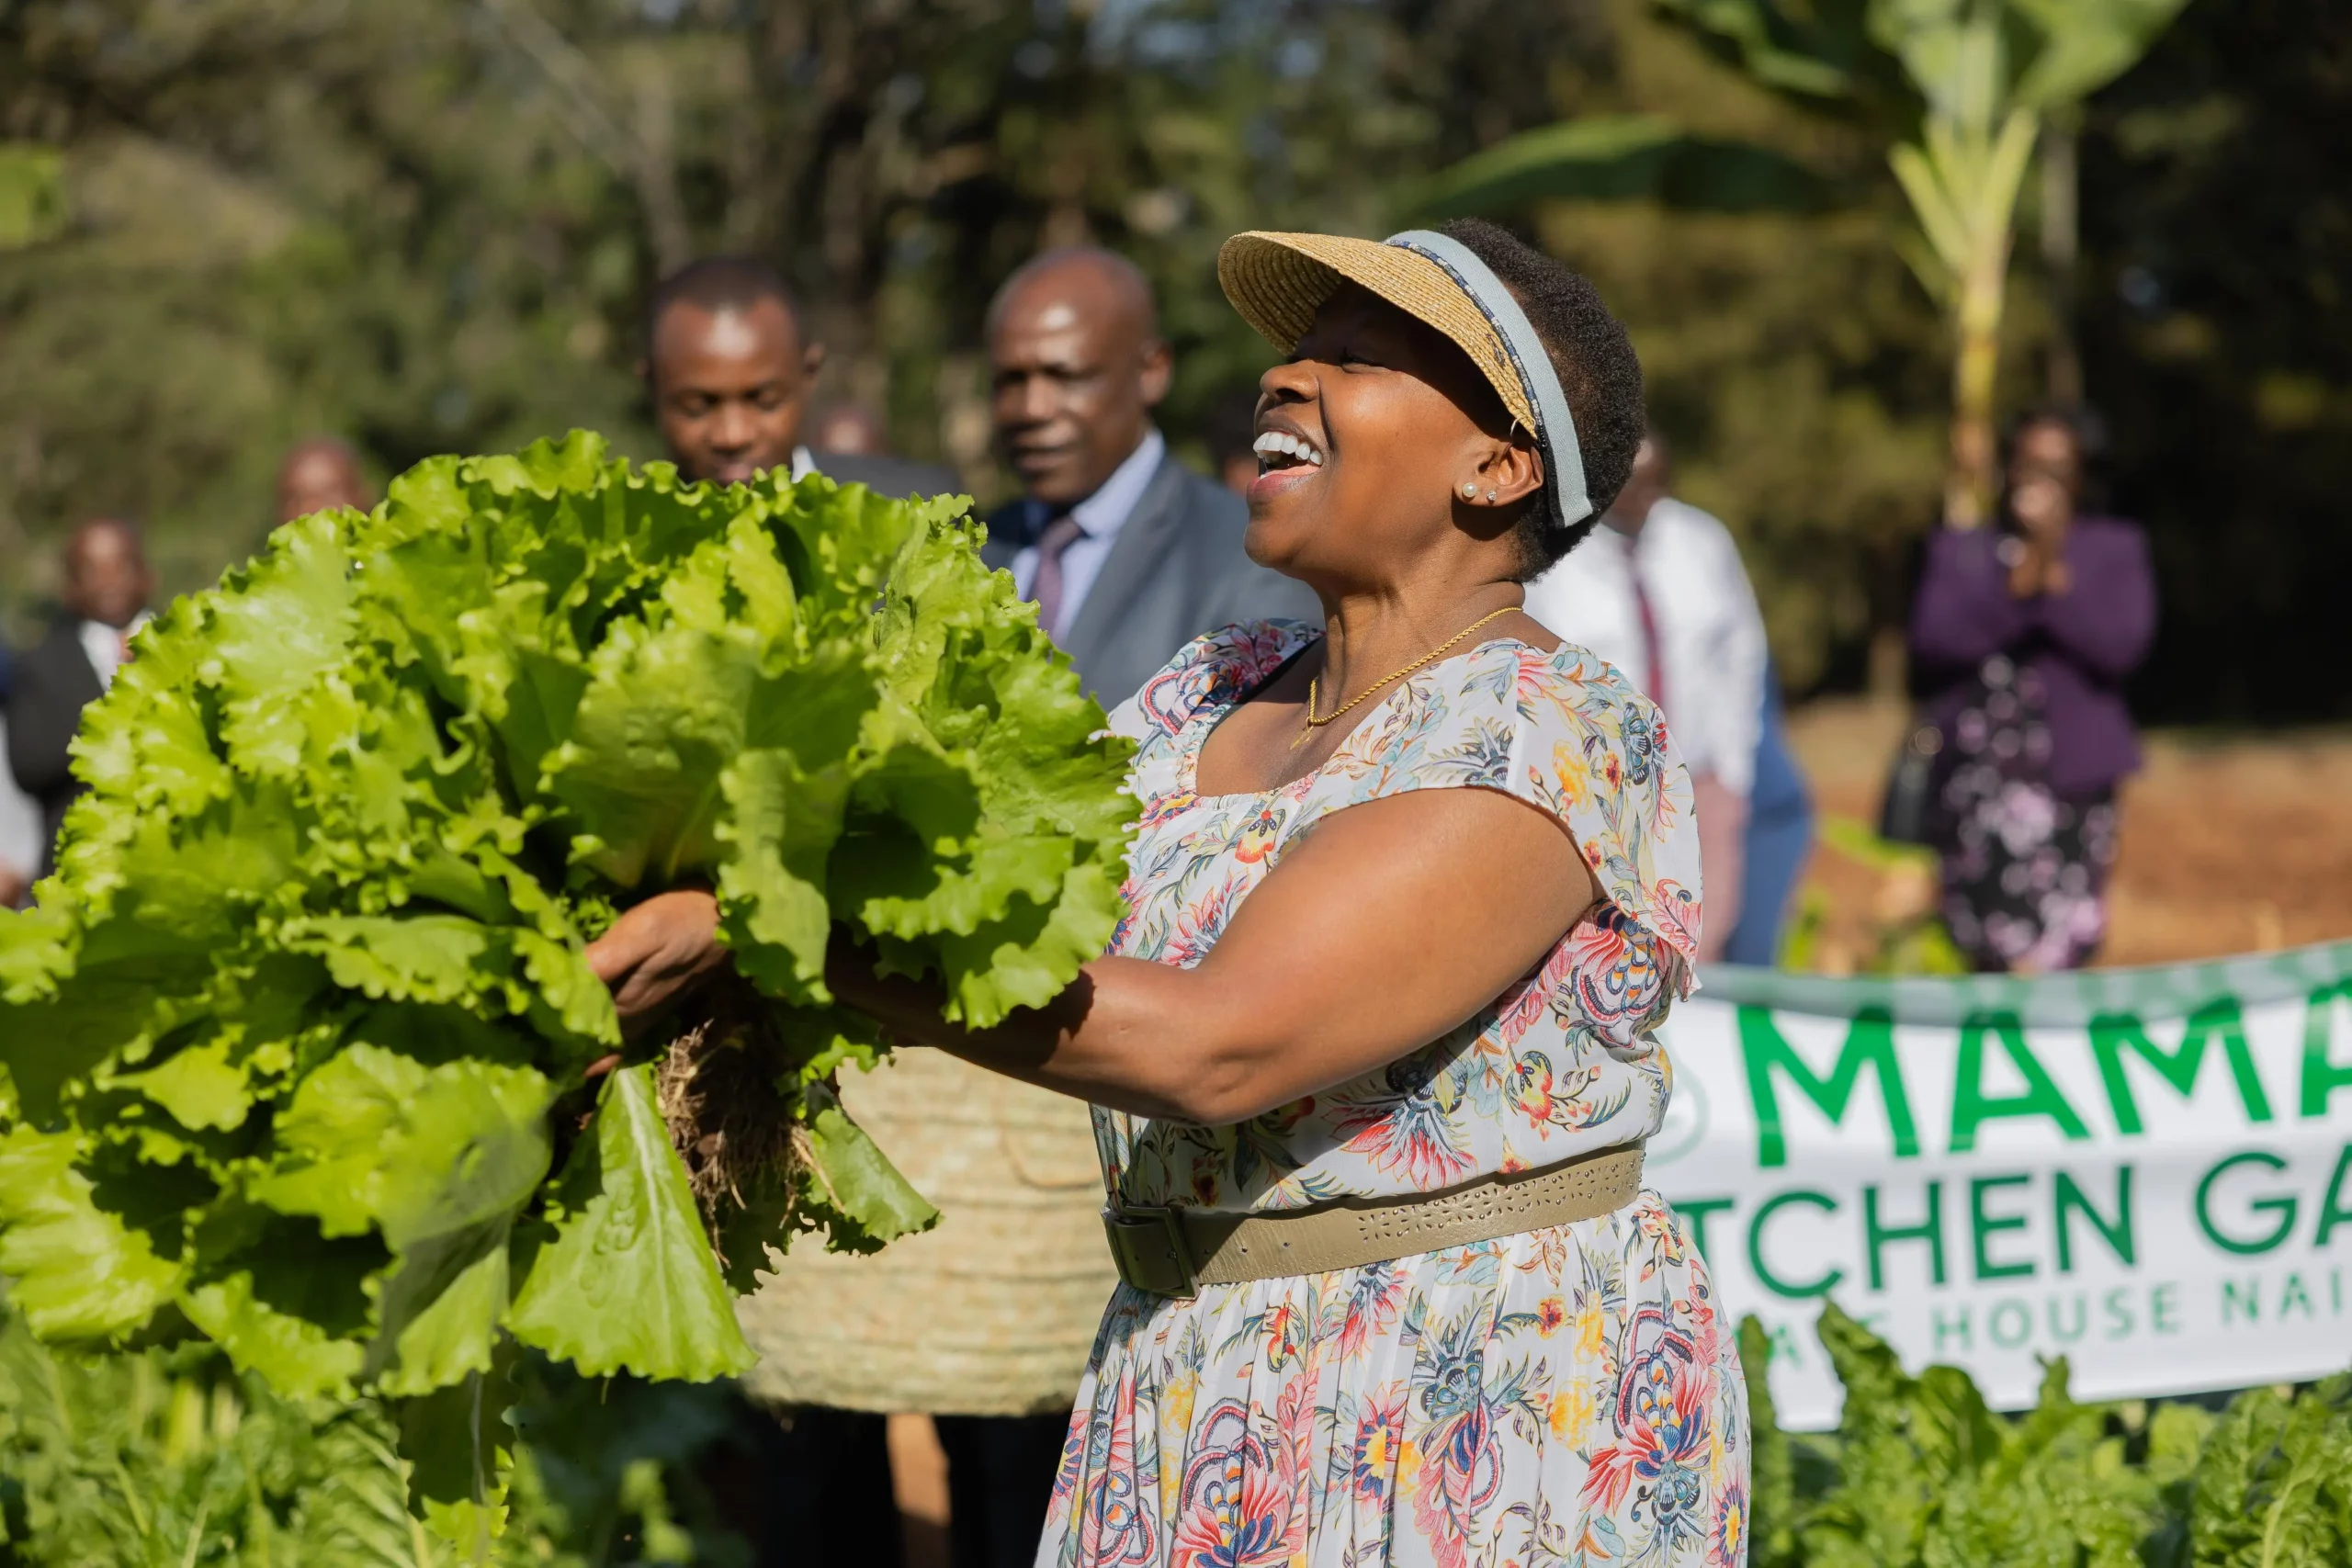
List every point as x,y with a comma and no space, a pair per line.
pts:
993,1312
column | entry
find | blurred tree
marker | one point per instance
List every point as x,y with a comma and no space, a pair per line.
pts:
2216,312
428,224
282,218
1957,90
1794,364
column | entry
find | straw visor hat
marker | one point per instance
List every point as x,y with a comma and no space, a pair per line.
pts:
1279,281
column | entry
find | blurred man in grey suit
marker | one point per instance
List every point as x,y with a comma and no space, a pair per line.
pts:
1128,553
730,370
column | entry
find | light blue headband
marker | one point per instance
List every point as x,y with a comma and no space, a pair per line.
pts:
1555,431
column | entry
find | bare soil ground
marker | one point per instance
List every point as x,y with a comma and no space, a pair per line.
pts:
2232,842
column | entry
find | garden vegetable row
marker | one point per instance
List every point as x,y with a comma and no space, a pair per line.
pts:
1920,1473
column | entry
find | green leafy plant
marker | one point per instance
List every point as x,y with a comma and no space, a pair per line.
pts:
305,1056
1897,931
170,1457
2273,1488
1921,1474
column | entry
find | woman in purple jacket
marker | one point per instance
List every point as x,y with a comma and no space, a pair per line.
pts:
2026,633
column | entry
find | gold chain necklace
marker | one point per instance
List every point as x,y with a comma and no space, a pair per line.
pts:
1314,685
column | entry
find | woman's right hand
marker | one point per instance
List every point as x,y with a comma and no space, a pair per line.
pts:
657,949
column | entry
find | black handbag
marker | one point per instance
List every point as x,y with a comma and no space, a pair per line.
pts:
1906,812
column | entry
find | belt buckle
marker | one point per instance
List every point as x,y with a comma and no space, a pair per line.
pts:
1127,1226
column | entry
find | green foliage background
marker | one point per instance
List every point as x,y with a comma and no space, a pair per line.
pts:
428,224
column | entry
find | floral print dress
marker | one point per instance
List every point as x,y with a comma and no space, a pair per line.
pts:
1566,1396
2024,868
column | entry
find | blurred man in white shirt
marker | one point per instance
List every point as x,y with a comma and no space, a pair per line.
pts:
1658,591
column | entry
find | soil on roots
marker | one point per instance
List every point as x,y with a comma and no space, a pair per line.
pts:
716,1087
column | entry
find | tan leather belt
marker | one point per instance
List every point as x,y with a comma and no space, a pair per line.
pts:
1173,1252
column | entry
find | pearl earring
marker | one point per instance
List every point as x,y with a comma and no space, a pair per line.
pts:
1469,492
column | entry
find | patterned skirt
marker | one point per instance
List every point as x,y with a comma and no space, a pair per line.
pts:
1568,1396
2024,868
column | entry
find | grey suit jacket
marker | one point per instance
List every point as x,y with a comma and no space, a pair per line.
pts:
1175,572
896,478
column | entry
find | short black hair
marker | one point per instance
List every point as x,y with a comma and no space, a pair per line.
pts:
1599,375
717,284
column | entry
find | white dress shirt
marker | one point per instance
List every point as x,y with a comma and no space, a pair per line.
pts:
1099,518
1710,632
20,823
102,646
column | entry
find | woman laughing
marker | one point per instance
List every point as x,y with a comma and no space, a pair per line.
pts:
1374,1053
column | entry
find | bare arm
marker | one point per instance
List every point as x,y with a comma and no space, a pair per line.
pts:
1394,922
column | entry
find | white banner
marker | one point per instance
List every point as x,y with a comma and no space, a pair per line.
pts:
2149,1172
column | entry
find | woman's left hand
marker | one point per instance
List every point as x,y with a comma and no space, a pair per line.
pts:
657,949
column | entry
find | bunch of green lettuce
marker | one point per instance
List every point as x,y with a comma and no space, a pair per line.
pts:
301,1050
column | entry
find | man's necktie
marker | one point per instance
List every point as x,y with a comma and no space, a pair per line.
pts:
1653,652
1059,535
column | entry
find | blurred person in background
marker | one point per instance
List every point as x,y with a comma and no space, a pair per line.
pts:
20,821
1128,554
1231,427
1660,593
852,430
19,839
108,586
1780,834
730,371
320,472
2024,634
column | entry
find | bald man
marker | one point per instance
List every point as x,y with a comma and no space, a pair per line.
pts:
1128,554
108,586
319,473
